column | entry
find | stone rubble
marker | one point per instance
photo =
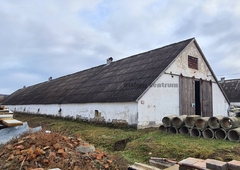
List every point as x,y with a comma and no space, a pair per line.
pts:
43,150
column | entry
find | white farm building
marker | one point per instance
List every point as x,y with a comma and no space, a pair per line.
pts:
139,90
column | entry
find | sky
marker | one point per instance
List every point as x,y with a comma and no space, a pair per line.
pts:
42,39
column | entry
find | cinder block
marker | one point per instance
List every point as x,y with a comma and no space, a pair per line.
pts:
215,164
234,165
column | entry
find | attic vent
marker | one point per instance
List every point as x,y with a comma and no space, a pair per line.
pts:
109,60
193,62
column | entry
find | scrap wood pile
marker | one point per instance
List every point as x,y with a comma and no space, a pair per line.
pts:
7,120
53,150
218,127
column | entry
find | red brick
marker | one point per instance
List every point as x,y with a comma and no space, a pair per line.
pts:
10,158
106,166
20,147
17,152
99,157
57,146
65,155
60,150
109,161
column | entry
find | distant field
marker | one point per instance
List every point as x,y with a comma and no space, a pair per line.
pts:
139,145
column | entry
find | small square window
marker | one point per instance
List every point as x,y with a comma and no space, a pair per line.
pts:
97,113
193,62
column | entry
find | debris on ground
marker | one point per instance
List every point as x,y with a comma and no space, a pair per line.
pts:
53,150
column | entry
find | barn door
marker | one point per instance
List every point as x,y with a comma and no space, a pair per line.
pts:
195,97
206,98
187,96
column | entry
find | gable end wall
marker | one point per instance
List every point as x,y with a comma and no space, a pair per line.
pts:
163,100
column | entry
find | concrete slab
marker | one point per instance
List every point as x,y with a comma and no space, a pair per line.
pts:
192,164
216,165
6,117
190,161
234,165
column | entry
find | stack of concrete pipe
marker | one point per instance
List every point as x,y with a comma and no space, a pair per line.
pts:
218,127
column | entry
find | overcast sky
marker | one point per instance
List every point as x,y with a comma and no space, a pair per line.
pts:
39,39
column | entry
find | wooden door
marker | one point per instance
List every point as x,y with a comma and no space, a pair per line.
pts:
206,98
187,96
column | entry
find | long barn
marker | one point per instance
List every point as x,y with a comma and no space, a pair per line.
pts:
139,90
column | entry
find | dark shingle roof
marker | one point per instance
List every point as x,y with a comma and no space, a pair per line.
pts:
104,83
232,89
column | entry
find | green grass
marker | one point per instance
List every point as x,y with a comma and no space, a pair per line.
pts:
142,144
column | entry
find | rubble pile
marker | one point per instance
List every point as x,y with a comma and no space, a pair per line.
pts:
53,150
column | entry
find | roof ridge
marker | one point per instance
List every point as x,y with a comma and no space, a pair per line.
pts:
155,49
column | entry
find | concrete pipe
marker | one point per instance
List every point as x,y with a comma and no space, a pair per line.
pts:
184,130
178,121
195,132
208,133
229,123
221,134
190,120
167,120
162,128
234,134
172,130
214,122
202,123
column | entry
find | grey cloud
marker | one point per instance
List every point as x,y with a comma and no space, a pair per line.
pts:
42,40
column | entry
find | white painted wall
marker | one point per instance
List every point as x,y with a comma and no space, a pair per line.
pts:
180,65
121,111
220,104
158,102
161,99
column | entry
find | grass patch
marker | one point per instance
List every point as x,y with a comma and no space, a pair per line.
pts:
140,144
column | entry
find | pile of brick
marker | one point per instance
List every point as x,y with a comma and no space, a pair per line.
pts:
186,164
208,164
52,150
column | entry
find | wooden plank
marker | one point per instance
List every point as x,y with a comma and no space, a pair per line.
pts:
6,117
206,98
12,122
187,95
4,112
